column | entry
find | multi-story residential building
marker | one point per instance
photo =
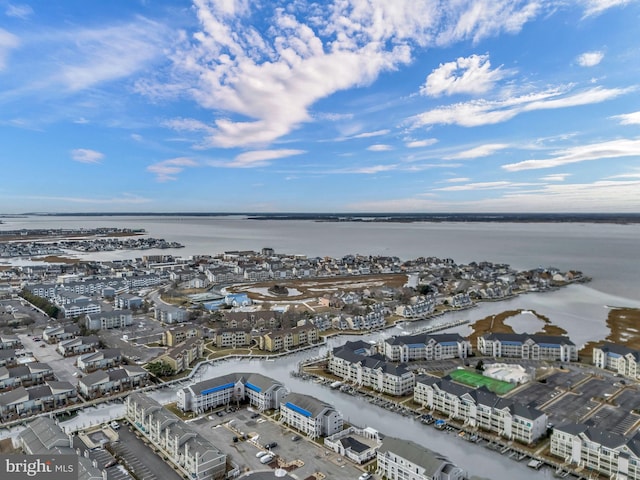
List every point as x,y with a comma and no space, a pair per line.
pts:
102,359
41,398
523,345
43,436
310,416
194,456
480,408
170,314
58,334
180,357
406,460
128,301
176,335
105,382
78,345
288,339
425,347
261,392
9,341
107,320
72,310
622,360
590,448
32,373
8,358
371,371
232,337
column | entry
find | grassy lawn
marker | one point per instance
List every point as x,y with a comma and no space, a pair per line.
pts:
474,379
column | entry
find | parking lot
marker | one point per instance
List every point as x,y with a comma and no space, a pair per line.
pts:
132,341
64,368
304,457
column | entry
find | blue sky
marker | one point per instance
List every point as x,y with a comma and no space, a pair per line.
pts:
343,106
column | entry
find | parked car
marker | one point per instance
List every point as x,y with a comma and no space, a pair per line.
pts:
365,476
267,458
261,454
115,425
271,445
295,438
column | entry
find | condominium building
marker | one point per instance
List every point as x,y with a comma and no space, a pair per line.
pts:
480,408
290,338
194,456
371,371
180,357
107,358
523,345
620,359
425,347
405,460
261,392
105,382
106,320
610,454
310,416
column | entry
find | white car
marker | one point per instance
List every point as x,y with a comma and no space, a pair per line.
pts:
267,458
365,476
261,454
115,425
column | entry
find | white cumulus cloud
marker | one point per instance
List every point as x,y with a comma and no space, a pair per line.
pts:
261,82
421,143
472,75
596,7
379,147
590,59
85,155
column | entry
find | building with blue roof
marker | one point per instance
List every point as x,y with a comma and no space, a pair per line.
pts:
527,346
310,416
261,392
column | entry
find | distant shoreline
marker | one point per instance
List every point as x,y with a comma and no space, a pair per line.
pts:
611,218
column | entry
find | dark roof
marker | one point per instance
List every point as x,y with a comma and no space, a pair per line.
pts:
353,444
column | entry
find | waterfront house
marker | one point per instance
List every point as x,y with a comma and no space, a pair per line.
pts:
191,454
105,382
28,401
232,337
176,335
310,416
357,444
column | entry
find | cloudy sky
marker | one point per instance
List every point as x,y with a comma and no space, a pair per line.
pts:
328,106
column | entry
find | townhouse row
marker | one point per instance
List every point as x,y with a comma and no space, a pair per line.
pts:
193,455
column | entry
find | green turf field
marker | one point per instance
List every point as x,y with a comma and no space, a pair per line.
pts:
474,379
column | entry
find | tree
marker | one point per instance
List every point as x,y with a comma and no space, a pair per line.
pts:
480,366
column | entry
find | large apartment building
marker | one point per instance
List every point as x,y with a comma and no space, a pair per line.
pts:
622,360
480,408
531,347
261,392
310,416
406,460
192,455
371,371
425,347
592,449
